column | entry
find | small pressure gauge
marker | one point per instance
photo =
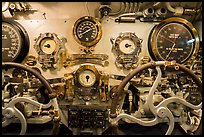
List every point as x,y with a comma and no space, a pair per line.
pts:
87,76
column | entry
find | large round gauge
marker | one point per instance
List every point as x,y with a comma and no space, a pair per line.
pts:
87,76
87,31
174,39
15,42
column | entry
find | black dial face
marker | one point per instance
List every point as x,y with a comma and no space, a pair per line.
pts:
87,31
174,42
174,39
15,42
11,42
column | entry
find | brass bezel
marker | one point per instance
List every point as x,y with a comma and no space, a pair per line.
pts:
87,67
99,28
187,24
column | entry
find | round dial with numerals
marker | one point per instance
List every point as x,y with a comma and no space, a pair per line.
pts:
174,39
87,31
15,42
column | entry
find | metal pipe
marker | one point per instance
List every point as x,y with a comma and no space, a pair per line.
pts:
120,10
148,12
161,12
127,6
131,7
6,6
169,7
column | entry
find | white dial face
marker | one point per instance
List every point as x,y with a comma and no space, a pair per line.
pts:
87,78
48,45
127,46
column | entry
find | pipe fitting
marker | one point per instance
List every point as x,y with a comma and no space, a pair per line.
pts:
149,12
161,12
5,6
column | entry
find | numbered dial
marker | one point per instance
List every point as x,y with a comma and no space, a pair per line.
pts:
87,31
87,78
15,42
174,39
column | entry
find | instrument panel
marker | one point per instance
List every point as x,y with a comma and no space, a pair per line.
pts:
96,73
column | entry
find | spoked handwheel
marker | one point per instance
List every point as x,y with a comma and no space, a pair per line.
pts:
161,111
10,111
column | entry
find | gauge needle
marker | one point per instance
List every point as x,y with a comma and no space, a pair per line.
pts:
86,31
174,44
170,51
167,39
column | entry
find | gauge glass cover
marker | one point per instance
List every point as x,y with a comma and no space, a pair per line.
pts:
127,46
174,39
11,42
87,78
48,45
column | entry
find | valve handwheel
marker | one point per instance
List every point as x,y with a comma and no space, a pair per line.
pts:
160,111
9,112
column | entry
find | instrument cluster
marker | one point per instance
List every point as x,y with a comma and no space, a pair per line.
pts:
91,74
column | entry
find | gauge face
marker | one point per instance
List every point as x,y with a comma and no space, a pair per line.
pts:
87,78
11,42
128,43
15,42
48,45
127,46
174,42
174,39
87,31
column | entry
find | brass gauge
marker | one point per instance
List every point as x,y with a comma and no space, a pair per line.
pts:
87,31
174,39
87,76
